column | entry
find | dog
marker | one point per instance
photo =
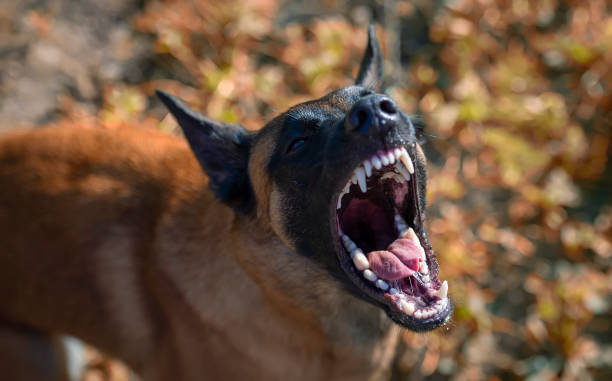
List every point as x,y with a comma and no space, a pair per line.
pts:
295,252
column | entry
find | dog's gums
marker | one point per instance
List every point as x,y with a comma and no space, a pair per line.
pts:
384,244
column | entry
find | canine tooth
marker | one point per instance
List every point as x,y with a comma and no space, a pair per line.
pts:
376,162
393,291
354,179
382,284
405,159
360,260
368,168
407,307
423,269
442,293
384,159
361,179
425,279
397,152
391,157
340,198
369,275
410,234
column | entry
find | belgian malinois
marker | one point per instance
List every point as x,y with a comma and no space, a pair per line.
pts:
279,254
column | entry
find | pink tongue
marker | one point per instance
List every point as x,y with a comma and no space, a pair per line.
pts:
407,251
400,260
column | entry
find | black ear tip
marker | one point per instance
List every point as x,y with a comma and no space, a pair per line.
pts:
162,95
176,107
167,99
372,40
372,30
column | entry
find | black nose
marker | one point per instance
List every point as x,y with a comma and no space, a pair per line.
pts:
372,114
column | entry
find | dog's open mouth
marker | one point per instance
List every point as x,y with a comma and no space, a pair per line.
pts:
385,246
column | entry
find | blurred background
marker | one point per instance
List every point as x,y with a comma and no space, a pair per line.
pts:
517,96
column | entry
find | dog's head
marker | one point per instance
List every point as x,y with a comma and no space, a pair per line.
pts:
342,181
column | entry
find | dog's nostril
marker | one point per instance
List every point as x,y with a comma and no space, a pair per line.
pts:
388,107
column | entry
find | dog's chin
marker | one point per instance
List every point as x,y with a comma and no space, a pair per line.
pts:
382,244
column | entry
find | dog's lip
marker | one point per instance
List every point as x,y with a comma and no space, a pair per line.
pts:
383,298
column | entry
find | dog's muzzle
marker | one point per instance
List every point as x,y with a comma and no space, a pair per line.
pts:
372,115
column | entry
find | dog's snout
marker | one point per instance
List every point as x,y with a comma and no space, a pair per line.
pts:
372,114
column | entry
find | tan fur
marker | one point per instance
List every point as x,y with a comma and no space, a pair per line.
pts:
114,237
262,148
420,156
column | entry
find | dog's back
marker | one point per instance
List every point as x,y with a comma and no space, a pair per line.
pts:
58,187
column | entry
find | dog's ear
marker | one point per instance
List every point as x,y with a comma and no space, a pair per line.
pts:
371,71
222,150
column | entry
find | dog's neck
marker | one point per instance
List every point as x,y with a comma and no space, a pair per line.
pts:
268,295
339,315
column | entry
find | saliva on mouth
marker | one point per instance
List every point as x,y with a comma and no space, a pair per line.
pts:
386,251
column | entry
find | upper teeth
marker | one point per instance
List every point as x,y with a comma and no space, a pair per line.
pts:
361,179
376,162
401,172
368,168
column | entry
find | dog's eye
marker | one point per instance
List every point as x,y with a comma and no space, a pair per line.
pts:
297,144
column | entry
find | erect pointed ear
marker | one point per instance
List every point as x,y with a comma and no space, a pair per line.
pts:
371,71
222,150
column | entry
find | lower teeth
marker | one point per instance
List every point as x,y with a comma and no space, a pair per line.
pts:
369,275
410,308
382,284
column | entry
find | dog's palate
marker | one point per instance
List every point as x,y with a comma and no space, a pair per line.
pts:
385,250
